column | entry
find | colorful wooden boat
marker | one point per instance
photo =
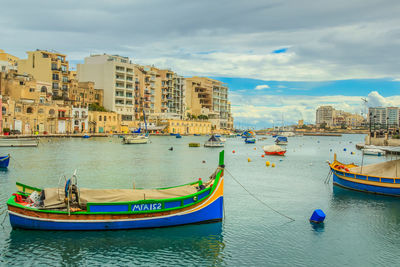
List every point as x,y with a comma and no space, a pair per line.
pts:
4,161
380,178
71,208
214,142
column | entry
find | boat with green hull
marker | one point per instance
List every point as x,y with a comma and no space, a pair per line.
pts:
73,208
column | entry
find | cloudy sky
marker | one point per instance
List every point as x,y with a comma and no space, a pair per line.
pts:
277,56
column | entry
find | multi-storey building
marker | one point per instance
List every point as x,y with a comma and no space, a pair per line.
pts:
209,97
28,108
377,115
324,114
384,116
48,67
7,61
115,75
83,94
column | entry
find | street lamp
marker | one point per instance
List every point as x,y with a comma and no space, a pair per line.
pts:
387,125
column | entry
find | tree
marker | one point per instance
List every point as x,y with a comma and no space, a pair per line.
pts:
343,126
202,117
322,125
96,107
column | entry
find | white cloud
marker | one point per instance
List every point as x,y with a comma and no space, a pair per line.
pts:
269,109
261,87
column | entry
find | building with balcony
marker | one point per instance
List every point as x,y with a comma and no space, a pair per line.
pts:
50,67
7,61
115,75
209,97
324,114
83,94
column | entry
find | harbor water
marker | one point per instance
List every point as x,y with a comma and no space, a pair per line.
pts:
360,229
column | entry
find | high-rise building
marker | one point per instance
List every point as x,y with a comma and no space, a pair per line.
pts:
209,97
115,75
49,67
324,114
384,115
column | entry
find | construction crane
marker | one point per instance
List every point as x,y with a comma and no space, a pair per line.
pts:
365,101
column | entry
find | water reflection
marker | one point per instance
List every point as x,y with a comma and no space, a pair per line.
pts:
184,244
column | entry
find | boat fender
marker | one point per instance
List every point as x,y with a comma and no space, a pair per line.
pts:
248,160
233,151
347,170
273,165
267,163
262,155
344,149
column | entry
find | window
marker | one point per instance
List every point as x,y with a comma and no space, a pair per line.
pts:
3,110
17,109
51,112
55,77
43,89
54,66
99,118
31,90
21,82
41,111
55,85
76,122
105,118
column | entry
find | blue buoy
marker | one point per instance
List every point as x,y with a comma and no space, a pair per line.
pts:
318,216
330,150
344,149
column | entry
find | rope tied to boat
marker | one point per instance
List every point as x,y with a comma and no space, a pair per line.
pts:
258,199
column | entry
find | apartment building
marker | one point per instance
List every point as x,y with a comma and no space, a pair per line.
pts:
209,97
7,61
384,115
115,75
82,94
50,67
324,114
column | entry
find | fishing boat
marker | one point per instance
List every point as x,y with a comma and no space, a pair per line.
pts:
178,136
73,208
19,142
194,144
281,140
4,161
250,140
214,142
380,178
86,136
197,134
274,150
248,134
374,151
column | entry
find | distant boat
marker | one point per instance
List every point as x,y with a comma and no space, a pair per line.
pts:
4,161
86,136
19,142
287,134
248,134
194,144
281,140
197,134
214,142
141,138
138,139
374,151
173,134
250,140
73,208
274,150
380,178
178,136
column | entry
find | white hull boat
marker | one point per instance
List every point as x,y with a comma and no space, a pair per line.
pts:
19,142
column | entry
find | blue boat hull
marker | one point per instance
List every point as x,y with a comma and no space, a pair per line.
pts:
365,187
4,161
210,213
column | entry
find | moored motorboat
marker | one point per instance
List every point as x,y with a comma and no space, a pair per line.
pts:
281,140
274,150
70,208
380,178
374,151
250,140
19,142
136,139
214,142
4,161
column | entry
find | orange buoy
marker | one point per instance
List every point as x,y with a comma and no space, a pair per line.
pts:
233,151
262,155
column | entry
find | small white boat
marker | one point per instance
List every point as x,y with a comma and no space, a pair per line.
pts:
19,142
274,150
139,139
374,151
214,142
